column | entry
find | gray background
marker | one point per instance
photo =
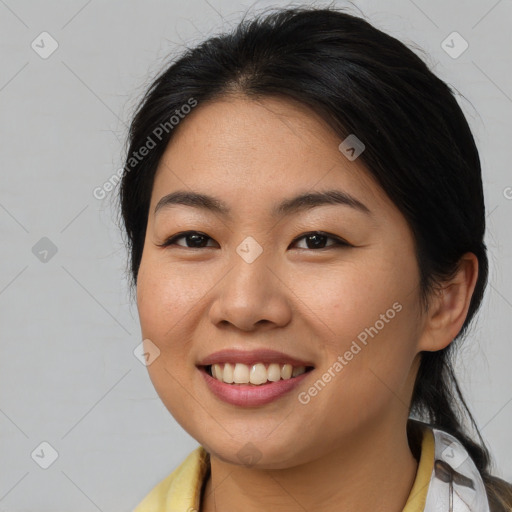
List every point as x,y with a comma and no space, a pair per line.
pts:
68,374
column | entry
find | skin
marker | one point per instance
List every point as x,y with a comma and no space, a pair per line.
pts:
347,448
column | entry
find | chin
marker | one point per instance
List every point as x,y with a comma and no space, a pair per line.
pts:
258,454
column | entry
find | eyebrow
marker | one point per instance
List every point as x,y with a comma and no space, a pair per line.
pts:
287,207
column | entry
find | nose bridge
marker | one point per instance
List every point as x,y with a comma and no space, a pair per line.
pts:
249,250
251,292
250,273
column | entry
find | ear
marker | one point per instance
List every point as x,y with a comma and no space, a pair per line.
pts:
449,306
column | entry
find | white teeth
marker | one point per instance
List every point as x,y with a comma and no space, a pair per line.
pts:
227,375
286,371
256,374
274,372
217,371
241,374
299,370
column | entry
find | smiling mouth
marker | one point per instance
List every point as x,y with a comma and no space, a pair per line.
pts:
256,374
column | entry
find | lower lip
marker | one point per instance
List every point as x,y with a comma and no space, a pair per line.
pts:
247,395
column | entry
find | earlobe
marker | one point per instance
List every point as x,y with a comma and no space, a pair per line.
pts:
449,306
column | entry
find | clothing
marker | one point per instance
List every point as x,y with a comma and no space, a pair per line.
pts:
446,480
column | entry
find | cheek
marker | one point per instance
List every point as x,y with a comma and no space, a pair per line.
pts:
345,299
368,315
164,307
164,297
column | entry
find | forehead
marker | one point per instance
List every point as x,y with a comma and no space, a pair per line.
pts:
259,151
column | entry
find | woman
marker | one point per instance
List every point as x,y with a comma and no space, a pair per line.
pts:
303,204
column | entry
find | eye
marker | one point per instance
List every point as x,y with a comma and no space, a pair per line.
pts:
195,237
314,240
317,239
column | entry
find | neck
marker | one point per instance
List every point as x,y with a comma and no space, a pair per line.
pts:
374,471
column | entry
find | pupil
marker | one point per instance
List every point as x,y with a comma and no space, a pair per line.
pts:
317,243
196,239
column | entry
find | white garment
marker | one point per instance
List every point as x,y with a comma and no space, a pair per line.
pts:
455,484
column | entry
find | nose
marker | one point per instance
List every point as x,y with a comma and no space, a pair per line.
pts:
252,295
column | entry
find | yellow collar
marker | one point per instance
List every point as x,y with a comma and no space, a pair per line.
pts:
181,490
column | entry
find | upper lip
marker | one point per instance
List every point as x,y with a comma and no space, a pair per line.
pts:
250,357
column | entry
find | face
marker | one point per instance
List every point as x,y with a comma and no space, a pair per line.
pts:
328,284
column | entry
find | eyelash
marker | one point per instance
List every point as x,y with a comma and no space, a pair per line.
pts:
338,241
